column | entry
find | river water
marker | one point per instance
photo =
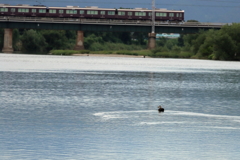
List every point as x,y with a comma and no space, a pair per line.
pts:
79,107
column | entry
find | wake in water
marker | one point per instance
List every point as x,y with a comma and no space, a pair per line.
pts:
190,119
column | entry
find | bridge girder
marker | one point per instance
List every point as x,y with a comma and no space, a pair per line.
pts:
103,27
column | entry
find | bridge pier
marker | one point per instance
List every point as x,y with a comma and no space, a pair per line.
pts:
151,40
7,46
79,41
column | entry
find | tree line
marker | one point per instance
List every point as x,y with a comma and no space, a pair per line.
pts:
223,44
42,41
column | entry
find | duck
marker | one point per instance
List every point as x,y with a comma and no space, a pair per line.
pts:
160,109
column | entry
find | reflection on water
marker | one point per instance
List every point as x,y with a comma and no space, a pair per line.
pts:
55,107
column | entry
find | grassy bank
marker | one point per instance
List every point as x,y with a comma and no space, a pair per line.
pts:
172,55
148,53
68,52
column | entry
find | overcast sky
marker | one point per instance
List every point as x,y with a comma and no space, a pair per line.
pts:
222,11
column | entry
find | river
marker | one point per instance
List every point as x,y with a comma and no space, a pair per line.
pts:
89,107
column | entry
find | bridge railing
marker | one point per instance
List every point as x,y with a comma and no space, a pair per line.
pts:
106,21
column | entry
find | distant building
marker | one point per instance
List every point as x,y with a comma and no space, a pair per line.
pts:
165,35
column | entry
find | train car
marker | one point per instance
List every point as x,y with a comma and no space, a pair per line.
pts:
22,10
163,15
169,15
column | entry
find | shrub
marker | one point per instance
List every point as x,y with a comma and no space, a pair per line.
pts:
68,52
33,42
176,49
159,49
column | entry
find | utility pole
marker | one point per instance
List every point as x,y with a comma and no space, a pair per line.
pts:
152,36
153,16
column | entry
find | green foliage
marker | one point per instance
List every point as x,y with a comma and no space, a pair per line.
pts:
139,38
189,41
16,40
68,52
223,44
127,53
234,32
224,47
196,43
102,52
160,49
96,46
113,46
205,43
180,41
70,34
114,37
161,42
192,20
176,49
33,42
1,38
91,39
170,43
56,39
172,54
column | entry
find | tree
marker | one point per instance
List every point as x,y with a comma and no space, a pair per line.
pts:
55,39
71,34
33,42
125,37
189,41
139,38
207,42
16,40
234,32
89,40
161,41
170,43
180,40
192,20
1,38
224,47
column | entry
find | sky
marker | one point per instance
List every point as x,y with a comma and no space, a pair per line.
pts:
217,11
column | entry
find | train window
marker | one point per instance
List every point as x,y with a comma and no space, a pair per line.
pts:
111,13
177,14
140,13
149,14
180,14
34,10
121,13
23,10
161,14
52,11
60,11
71,12
81,11
129,13
13,9
102,13
92,12
171,14
3,9
42,11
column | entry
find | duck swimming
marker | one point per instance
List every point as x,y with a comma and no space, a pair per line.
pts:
160,109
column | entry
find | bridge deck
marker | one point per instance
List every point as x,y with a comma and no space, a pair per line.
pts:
104,21
104,25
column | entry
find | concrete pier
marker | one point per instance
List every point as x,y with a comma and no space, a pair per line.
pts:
7,46
151,40
79,41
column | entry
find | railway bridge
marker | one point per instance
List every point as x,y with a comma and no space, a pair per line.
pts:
101,25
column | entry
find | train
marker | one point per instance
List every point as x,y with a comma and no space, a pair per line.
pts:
92,12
